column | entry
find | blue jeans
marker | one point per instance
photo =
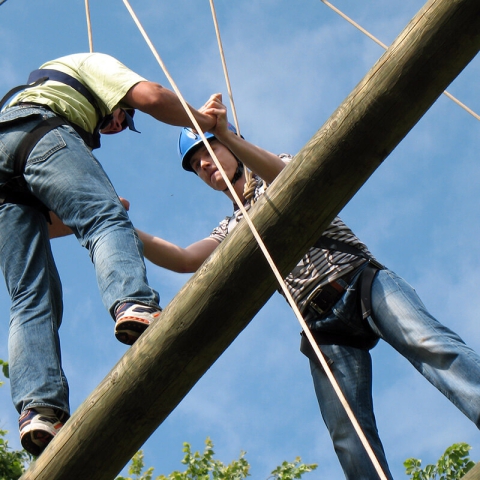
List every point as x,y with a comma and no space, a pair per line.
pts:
399,318
66,177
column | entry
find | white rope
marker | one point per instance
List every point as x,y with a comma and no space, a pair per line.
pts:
249,190
89,26
376,40
262,246
224,64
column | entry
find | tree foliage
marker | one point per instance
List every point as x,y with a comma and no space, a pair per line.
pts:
452,465
205,467
12,462
4,366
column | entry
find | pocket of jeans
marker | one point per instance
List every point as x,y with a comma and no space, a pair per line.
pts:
50,143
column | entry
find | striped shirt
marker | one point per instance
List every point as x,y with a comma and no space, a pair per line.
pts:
318,266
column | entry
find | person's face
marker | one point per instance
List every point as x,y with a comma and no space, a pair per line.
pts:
116,124
204,166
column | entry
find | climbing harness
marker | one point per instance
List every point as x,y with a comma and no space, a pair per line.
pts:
324,298
367,275
91,139
15,190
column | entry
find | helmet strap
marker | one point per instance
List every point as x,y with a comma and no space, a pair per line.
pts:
238,173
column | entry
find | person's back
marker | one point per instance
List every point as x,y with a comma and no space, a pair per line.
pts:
90,70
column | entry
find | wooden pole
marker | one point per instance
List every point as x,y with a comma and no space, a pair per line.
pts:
473,474
219,301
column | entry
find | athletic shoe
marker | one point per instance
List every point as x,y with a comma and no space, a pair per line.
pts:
38,426
132,320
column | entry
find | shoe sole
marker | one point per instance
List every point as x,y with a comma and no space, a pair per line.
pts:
29,438
129,329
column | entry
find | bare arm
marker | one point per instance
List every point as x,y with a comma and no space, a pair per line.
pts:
164,105
57,228
265,164
175,258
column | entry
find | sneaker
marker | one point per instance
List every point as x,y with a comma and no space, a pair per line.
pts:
38,426
132,320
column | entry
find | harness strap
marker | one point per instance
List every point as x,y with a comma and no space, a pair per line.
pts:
42,75
15,190
366,281
31,139
91,139
364,342
62,77
14,90
367,275
328,243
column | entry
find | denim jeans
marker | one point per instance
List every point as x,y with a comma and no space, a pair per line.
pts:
66,177
399,318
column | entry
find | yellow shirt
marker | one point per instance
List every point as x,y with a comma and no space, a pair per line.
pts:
106,78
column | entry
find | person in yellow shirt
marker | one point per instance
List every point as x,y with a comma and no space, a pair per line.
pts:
47,133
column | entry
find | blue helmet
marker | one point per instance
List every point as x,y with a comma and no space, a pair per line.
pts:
189,141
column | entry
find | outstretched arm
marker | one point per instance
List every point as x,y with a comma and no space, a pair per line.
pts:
265,164
175,258
57,228
164,105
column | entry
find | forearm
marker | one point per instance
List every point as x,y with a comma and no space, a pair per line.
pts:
164,105
265,164
57,228
173,257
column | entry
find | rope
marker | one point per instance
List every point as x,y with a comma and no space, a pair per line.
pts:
224,64
250,184
89,26
377,41
262,246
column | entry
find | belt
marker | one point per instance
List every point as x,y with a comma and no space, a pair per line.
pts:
32,104
324,298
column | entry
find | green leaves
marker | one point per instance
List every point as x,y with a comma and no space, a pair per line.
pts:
290,471
12,463
452,465
4,366
202,466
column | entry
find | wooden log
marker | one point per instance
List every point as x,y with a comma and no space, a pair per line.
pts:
219,301
473,474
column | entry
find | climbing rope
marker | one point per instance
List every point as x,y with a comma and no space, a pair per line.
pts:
377,41
262,246
89,26
250,183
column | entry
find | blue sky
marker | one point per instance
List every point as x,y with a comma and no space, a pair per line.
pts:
291,64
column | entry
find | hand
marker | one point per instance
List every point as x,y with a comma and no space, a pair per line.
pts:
214,106
125,203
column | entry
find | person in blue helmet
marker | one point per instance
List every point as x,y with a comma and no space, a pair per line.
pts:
326,285
47,133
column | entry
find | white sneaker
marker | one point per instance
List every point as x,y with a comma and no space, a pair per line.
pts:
38,426
132,319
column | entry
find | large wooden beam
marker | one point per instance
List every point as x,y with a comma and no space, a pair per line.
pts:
473,474
229,289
